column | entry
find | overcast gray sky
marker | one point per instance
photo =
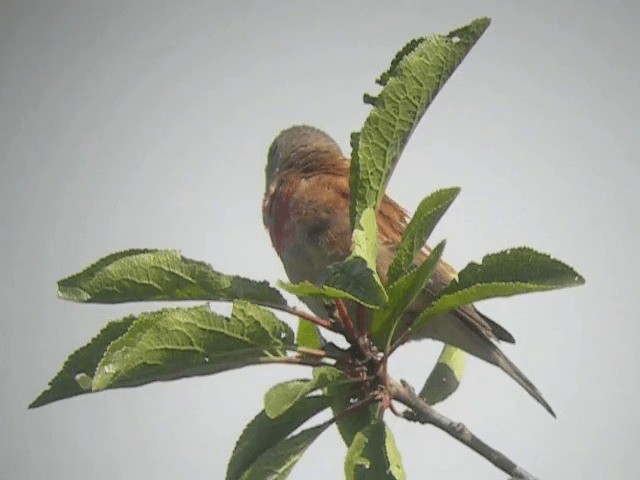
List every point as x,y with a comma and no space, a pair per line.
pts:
146,124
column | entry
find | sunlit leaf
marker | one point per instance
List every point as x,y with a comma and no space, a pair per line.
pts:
283,396
414,78
152,275
77,372
308,335
511,272
402,294
183,342
424,220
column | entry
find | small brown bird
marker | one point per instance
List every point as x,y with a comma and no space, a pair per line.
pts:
306,210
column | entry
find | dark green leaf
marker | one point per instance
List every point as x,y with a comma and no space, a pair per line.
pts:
427,215
77,372
152,275
416,75
281,397
362,284
513,271
374,454
263,432
278,461
402,294
349,419
175,343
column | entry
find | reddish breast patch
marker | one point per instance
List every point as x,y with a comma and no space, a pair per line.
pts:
282,227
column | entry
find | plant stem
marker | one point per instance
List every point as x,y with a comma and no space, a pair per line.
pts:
307,361
343,313
424,413
335,354
321,322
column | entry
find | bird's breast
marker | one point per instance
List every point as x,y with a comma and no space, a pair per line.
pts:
281,223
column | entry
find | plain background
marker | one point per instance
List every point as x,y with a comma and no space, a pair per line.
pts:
146,124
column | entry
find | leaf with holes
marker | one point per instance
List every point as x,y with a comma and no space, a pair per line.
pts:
415,76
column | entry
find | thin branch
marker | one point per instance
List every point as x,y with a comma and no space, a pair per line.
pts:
321,322
423,413
308,361
334,354
343,313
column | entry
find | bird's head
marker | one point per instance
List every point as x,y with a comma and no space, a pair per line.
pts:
297,146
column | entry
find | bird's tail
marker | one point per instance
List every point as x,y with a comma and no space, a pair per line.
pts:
514,372
451,329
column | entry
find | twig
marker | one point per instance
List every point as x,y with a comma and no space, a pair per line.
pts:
343,313
423,413
334,354
308,361
321,322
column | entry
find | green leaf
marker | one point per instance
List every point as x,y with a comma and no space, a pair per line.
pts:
175,343
77,372
308,335
308,289
261,323
357,274
427,215
362,284
402,294
263,432
278,461
152,275
445,376
365,238
281,397
393,456
409,86
374,454
513,271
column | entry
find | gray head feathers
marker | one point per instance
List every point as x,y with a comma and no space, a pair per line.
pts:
298,144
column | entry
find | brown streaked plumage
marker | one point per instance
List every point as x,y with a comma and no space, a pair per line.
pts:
306,210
